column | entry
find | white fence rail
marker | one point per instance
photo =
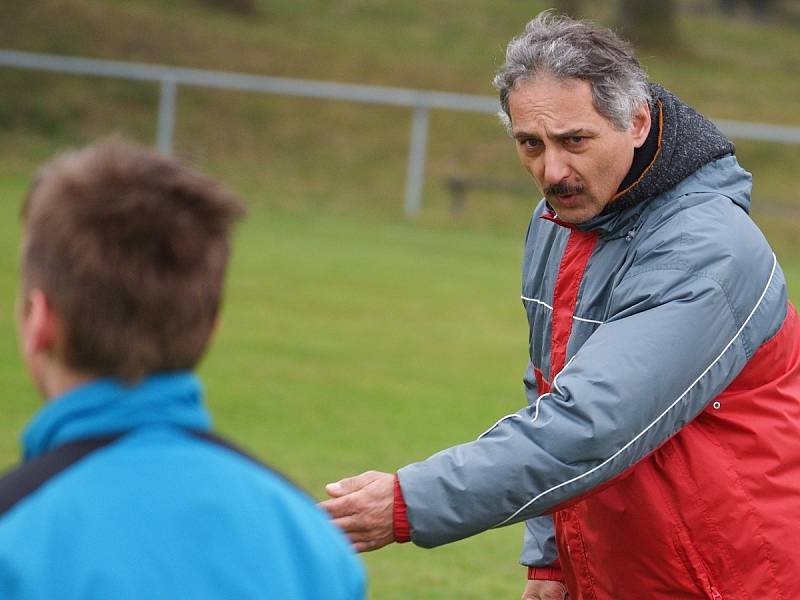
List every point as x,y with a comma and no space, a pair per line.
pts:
421,101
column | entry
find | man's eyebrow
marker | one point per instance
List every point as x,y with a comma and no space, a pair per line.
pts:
579,131
560,135
524,135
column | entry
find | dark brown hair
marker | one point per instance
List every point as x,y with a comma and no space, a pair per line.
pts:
130,248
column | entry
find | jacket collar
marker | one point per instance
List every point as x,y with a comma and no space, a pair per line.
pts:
108,406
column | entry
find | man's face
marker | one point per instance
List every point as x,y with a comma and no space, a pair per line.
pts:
574,153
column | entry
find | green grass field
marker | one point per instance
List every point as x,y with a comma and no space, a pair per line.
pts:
370,347
348,345
302,155
351,338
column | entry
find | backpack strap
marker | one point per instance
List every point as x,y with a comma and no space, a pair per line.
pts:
28,477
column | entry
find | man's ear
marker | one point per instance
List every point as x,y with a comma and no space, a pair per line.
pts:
640,126
40,325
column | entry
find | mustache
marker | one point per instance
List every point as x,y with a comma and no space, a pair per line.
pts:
563,189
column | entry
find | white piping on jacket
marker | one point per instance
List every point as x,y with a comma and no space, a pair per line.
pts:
511,416
659,417
587,320
536,411
555,387
555,379
546,305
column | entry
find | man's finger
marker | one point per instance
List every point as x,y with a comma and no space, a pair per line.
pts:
350,525
338,507
369,546
545,590
364,547
348,485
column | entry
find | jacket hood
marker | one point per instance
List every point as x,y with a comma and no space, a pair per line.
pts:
681,141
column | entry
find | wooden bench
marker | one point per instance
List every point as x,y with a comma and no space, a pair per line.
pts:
459,187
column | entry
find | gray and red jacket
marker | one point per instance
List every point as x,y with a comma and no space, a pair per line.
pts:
659,454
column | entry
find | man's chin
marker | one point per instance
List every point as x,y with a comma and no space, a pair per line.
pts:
573,216
573,209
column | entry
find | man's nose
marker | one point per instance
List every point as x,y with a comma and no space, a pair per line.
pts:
556,167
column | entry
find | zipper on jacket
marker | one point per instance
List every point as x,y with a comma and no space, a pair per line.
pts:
694,564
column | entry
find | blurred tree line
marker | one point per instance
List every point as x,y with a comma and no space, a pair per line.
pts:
654,24
245,7
646,23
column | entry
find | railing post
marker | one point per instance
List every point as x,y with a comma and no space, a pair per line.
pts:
166,115
415,175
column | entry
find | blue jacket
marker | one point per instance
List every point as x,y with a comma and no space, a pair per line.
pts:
161,514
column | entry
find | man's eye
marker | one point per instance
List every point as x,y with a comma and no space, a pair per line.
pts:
531,144
576,140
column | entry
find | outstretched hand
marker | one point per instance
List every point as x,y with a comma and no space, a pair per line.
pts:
362,507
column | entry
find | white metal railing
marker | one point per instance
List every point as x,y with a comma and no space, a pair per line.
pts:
421,101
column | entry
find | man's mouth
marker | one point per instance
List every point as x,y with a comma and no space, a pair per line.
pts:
564,194
568,200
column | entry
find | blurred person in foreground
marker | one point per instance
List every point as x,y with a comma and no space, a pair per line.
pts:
124,492
659,454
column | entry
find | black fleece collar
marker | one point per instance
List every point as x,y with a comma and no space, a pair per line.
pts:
680,141
644,156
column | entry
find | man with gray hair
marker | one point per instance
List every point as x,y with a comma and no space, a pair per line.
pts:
659,454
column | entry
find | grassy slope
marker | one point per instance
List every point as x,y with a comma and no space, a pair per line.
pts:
289,153
366,342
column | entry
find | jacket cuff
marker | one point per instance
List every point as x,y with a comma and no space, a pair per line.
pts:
402,530
551,572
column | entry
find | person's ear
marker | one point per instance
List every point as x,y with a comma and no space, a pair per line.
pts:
640,126
40,325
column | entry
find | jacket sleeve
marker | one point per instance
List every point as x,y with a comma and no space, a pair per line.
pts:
672,341
539,544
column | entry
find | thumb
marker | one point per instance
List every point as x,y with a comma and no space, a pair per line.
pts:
348,485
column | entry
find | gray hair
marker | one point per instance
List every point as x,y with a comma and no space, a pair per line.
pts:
565,48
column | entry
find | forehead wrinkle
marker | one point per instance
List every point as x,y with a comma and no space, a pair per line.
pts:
552,108
549,114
